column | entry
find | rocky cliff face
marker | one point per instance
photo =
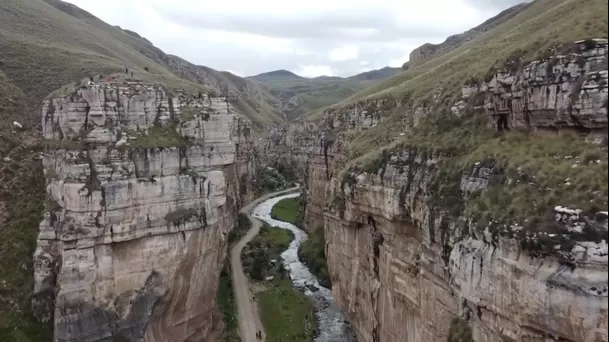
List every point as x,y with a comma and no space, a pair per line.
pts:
566,90
408,265
143,188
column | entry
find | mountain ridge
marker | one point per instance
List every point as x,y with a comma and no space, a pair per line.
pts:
300,96
385,71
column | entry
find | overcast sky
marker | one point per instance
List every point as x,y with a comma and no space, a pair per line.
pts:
311,37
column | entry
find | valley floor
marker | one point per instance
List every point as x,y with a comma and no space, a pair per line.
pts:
249,320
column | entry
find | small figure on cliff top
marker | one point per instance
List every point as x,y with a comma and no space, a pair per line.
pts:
126,71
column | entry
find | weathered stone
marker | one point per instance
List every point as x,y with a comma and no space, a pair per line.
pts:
136,241
559,92
402,268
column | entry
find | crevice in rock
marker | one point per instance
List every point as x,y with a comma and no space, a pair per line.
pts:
327,143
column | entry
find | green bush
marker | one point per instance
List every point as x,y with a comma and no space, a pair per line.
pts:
459,331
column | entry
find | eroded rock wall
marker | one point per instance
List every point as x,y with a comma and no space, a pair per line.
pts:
143,189
566,90
404,267
403,270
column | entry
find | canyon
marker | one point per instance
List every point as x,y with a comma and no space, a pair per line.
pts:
462,199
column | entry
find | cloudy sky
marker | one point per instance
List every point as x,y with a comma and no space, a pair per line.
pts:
311,37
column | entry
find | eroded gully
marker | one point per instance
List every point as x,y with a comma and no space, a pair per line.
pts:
331,321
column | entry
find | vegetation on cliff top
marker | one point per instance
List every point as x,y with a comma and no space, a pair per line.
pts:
287,314
528,35
530,176
39,63
534,172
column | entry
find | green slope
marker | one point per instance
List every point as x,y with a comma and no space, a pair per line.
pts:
543,24
47,44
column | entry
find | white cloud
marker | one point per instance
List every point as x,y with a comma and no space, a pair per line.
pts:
344,53
313,37
314,70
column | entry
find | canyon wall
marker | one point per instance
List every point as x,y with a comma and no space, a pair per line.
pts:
408,265
143,189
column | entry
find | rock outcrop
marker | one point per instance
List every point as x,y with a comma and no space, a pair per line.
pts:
565,90
408,265
143,189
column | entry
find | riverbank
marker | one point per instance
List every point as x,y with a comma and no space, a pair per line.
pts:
249,322
286,313
332,326
312,251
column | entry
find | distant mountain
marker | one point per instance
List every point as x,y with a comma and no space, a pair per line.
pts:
276,75
300,95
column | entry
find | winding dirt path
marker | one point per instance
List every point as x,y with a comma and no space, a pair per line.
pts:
247,313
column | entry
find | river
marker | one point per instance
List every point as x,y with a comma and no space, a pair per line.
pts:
331,321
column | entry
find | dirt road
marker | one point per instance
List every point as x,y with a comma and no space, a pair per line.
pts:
247,313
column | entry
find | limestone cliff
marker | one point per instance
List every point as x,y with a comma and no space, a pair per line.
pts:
143,188
429,239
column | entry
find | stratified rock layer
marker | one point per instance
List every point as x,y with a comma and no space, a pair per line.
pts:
143,188
406,269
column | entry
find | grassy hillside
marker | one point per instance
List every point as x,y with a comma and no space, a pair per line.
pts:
529,34
38,62
428,51
301,96
21,206
464,140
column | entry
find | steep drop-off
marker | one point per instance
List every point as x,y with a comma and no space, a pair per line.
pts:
143,189
483,213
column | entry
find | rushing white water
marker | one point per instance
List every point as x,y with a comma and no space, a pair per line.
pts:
331,321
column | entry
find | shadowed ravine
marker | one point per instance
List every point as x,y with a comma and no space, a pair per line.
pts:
331,321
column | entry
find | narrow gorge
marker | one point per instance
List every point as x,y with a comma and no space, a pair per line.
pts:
462,197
